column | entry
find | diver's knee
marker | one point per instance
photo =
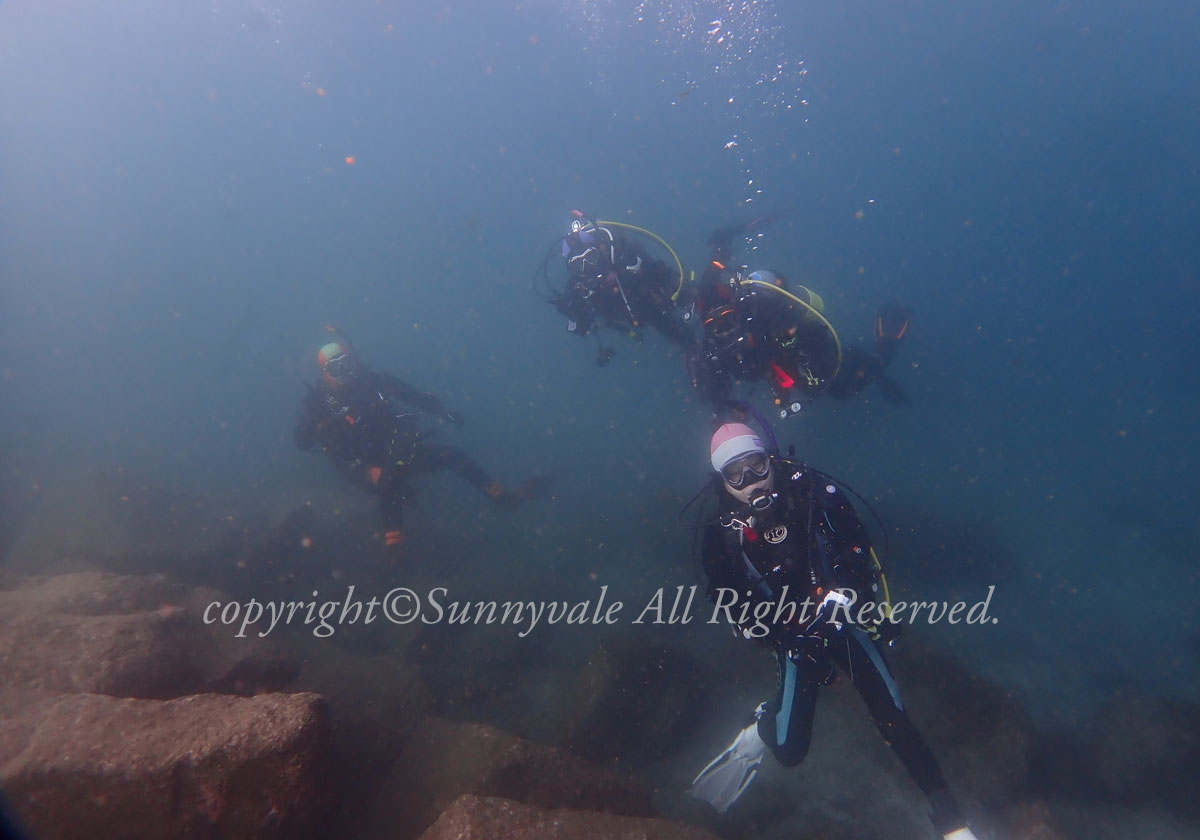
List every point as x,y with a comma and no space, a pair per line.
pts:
792,751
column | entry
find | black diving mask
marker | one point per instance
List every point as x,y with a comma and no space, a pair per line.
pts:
746,470
342,368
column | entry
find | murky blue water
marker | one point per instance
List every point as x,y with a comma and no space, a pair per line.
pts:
188,193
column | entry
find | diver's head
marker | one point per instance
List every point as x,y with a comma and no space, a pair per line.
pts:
814,305
586,249
738,454
764,275
338,365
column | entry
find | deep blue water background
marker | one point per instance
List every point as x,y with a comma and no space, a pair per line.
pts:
177,222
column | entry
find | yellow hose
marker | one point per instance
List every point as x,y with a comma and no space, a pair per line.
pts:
660,241
887,595
749,281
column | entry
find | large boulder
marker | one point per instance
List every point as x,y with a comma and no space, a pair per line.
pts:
203,766
502,819
444,760
54,637
126,636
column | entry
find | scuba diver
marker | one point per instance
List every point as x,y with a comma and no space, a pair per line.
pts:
613,281
786,532
758,327
766,332
372,426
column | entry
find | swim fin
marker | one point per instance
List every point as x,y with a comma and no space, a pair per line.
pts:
963,833
728,775
891,321
891,326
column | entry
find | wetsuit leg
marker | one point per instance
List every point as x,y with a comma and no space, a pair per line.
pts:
786,724
859,369
860,659
391,510
429,457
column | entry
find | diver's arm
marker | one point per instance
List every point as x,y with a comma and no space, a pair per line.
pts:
308,426
848,544
718,568
394,388
630,257
581,320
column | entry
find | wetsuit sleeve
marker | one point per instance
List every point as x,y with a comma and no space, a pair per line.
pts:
718,565
846,546
632,257
392,387
309,423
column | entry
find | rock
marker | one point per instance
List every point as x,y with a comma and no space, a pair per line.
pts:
444,760
21,712
1147,750
983,738
90,593
127,636
502,819
1031,821
150,655
633,702
1103,820
195,767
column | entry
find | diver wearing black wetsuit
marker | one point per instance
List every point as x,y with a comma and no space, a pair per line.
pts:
782,524
757,327
371,424
613,281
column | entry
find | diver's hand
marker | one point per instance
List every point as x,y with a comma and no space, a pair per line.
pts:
804,647
826,620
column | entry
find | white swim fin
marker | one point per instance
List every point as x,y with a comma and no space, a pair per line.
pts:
728,775
963,833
